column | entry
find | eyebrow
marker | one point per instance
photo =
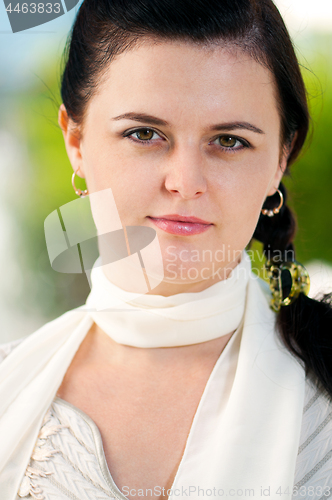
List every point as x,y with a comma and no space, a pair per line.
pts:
153,120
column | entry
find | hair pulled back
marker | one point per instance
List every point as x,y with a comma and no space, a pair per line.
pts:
104,29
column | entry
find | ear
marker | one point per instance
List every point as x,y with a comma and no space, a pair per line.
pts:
72,137
283,160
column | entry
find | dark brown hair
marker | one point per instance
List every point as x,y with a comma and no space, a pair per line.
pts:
106,28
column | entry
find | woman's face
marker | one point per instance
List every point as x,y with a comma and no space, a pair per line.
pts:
182,129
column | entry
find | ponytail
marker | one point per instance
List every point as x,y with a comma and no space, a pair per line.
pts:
305,326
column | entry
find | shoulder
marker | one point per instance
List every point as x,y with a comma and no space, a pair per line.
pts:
60,326
8,347
316,402
264,286
315,447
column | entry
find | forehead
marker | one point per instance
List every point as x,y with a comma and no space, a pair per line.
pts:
183,77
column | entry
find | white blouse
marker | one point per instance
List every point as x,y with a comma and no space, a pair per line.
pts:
68,460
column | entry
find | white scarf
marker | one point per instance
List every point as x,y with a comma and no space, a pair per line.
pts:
181,319
255,441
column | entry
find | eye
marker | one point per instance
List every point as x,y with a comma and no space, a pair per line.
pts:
142,135
230,142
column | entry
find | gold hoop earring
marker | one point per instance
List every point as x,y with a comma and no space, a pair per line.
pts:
79,192
274,211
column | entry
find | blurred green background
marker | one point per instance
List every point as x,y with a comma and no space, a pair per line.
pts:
46,182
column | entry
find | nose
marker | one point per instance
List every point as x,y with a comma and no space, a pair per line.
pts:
185,175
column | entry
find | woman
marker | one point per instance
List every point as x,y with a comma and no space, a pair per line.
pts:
172,381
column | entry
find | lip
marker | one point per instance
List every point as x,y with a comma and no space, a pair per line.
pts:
180,225
181,218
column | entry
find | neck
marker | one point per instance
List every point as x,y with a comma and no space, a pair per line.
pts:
100,352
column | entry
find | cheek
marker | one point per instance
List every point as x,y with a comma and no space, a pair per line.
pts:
241,188
134,189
